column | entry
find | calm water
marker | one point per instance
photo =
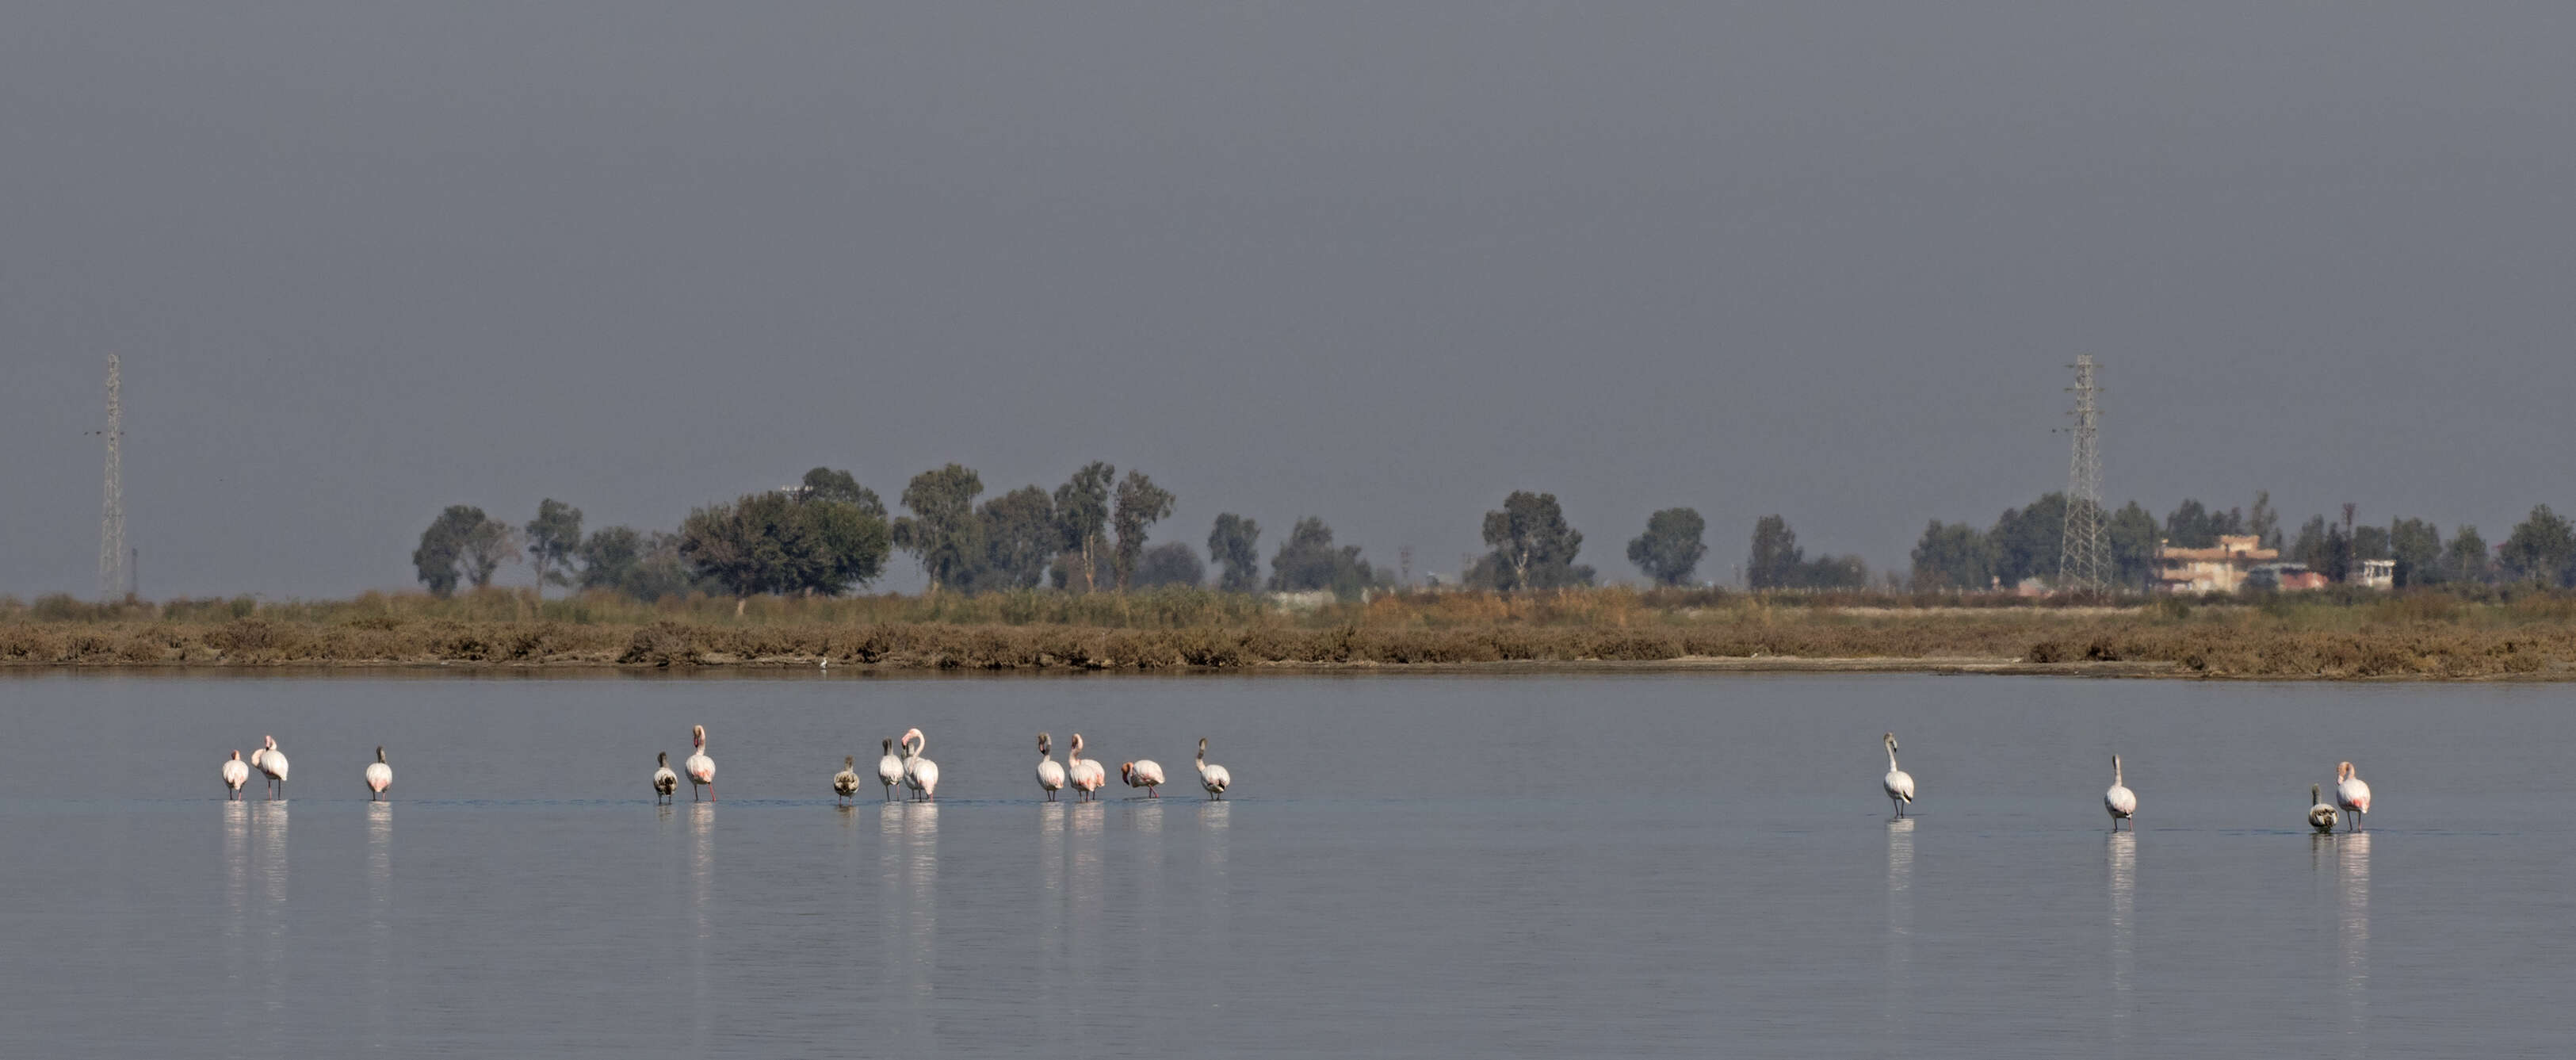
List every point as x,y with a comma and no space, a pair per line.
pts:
1410,866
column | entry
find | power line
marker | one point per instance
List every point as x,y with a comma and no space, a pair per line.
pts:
2084,553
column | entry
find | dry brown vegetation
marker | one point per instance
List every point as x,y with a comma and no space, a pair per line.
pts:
2350,636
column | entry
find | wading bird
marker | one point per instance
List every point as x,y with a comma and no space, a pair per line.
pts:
1086,776
1050,772
2320,816
889,768
1214,778
2122,802
846,782
2351,795
920,774
236,773
1899,783
379,775
664,781
271,761
701,769
1143,773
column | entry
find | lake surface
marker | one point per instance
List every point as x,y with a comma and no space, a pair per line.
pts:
1434,866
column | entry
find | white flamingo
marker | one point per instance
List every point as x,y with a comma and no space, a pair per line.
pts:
920,774
2122,802
1899,783
1050,772
846,782
236,773
664,781
1085,775
273,762
379,775
889,769
1143,773
700,768
2351,795
1214,778
2320,816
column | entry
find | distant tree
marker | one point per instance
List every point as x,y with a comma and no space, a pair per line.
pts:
2467,560
1140,505
1776,559
1670,549
443,545
1082,519
2370,542
1952,556
489,545
775,543
942,531
1020,535
1234,542
1170,563
1533,548
2263,522
2417,548
1835,572
841,487
2026,542
554,541
2311,549
609,557
2193,526
2132,533
2541,551
1307,561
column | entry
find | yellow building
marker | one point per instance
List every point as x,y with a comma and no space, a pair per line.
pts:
2211,570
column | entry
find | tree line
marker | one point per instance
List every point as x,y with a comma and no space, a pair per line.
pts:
829,535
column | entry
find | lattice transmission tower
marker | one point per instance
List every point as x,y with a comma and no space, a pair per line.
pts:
2082,559
112,569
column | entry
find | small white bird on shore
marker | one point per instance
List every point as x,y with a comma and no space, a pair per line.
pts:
379,775
2122,802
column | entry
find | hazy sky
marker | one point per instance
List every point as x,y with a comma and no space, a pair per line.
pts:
1381,263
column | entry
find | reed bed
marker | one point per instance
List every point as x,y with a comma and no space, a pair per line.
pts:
2330,637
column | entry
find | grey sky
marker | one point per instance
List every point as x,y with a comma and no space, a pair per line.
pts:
1378,263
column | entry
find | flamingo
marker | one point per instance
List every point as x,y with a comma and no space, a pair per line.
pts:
1050,772
1899,783
1143,773
701,769
2122,802
2351,795
664,781
2320,816
846,782
1214,778
920,774
236,773
889,768
273,762
379,775
1087,777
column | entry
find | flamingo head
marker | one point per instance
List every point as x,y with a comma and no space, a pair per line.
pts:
1044,748
888,744
2343,771
662,758
913,742
2316,795
1077,744
237,756
380,752
268,742
1127,772
849,761
1891,741
1202,746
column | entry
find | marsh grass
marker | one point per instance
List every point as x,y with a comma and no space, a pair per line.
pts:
2320,635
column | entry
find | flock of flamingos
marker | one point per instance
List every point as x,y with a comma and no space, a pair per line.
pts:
1087,777
909,769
